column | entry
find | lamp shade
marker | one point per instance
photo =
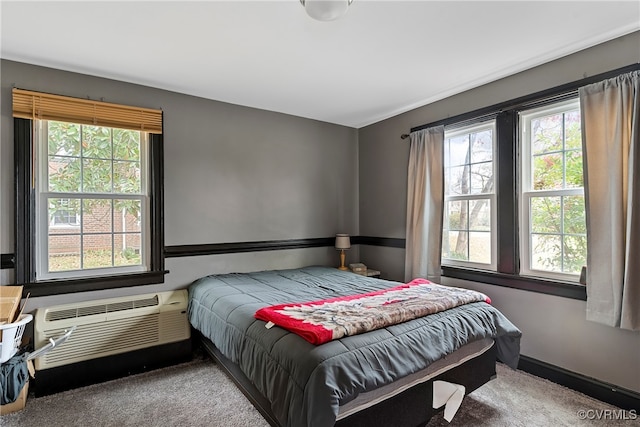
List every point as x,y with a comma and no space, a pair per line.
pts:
326,10
343,241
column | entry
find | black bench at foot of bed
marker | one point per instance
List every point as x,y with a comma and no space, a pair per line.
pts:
410,408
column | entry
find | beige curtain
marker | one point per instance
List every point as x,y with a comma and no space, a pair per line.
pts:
425,195
610,134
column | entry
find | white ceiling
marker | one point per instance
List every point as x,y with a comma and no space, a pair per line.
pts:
381,59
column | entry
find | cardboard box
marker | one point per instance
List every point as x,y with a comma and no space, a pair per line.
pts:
10,297
19,404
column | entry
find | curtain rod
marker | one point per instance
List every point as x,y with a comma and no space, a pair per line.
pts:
533,98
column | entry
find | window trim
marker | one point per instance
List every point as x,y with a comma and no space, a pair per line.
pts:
43,194
507,124
527,193
25,225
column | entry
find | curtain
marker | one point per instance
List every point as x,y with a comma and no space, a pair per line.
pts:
610,134
425,195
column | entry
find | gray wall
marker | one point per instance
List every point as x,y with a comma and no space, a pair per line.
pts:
554,328
232,174
239,174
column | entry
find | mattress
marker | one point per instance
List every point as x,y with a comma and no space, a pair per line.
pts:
307,384
367,399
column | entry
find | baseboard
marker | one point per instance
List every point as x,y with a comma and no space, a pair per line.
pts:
609,393
61,378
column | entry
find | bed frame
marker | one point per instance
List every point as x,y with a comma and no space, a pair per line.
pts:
410,408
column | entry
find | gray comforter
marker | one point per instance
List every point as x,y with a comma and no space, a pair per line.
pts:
305,383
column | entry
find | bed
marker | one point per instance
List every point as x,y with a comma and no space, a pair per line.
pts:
365,379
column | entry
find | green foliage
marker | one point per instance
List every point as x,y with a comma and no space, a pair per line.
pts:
94,159
563,247
64,139
548,172
574,171
545,215
557,164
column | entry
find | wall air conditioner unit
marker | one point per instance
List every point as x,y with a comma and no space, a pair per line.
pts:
111,326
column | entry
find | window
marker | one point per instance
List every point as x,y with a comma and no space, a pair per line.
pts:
523,171
469,204
553,240
536,206
89,194
93,178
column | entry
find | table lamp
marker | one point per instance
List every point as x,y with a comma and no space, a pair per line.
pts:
343,242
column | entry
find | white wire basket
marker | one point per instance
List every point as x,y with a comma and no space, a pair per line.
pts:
12,337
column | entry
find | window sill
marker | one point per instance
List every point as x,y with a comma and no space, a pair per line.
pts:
84,284
550,287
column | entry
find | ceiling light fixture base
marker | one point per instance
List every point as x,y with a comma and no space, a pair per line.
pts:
326,10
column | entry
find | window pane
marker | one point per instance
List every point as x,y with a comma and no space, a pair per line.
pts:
575,253
97,250
457,214
574,175
126,177
63,212
482,178
458,245
574,215
447,181
64,252
480,247
459,180
547,172
126,145
127,249
546,134
458,150
96,216
546,253
481,146
64,139
96,176
96,142
64,174
479,215
127,216
545,215
572,130
445,243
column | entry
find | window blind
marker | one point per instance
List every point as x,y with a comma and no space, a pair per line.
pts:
44,106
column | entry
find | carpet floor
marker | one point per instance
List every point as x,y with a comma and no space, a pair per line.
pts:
198,393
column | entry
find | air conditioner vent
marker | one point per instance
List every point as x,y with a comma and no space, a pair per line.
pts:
90,311
53,315
148,302
140,321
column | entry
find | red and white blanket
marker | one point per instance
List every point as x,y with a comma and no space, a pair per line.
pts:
330,319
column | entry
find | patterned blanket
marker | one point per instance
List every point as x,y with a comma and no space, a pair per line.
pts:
330,319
